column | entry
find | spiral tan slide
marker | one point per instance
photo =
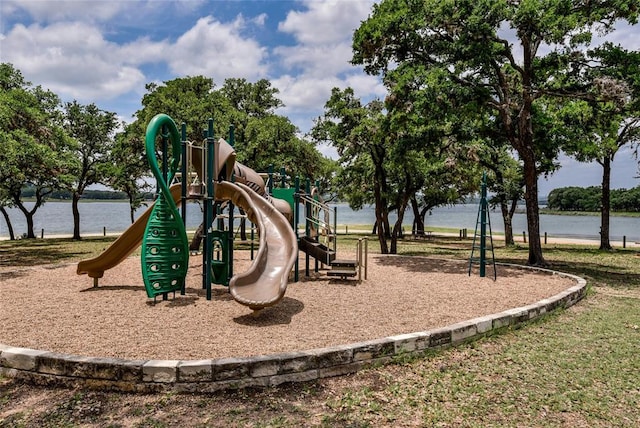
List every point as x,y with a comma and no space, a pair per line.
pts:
265,282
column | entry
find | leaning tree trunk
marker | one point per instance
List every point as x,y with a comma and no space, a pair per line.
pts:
382,238
605,207
28,215
397,228
196,241
423,215
7,220
76,215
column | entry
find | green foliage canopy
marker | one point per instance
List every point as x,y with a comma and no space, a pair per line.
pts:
35,149
471,43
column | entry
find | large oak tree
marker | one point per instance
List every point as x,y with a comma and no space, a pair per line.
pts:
508,52
93,130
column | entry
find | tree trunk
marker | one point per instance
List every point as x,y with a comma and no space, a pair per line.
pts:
423,214
397,228
381,208
243,227
533,212
522,139
394,236
76,215
418,220
28,215
132,209
196,241
605,206
7,220
507,219
382,238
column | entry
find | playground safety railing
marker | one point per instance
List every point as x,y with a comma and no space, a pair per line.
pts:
362,254
321,217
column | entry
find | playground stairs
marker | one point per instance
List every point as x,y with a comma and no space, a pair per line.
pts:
343,268
317,250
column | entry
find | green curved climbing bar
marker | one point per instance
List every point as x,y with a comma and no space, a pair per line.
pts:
165,249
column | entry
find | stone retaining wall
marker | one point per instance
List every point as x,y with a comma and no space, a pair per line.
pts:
50,368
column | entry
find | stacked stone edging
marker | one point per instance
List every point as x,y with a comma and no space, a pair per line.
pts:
51,368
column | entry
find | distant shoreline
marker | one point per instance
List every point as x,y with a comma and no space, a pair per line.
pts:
543,211
365,230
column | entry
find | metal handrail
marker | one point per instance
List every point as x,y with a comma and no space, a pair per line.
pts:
324,222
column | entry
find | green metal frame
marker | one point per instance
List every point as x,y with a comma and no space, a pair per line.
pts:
483,220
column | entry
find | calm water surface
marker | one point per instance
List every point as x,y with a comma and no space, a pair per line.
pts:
56,218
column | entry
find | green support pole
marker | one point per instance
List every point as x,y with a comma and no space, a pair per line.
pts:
307,226
270,179
184,171
317,185
183,191
232,140
283,178
296,217
483,226
307,211
208,208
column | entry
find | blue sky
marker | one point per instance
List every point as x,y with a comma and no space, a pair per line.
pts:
104,52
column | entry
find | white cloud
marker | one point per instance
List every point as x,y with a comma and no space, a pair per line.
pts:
326,22
624,35
76,49
308,93
260,20
71,59
55,10
305,92
215,49
322,60
365,85
75,60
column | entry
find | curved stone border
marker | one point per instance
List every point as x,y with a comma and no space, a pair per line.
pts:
44,367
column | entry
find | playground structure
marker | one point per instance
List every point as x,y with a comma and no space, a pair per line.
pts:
210,174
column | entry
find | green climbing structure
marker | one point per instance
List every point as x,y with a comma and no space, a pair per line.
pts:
165,248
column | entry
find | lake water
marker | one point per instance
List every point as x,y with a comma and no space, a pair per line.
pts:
56,219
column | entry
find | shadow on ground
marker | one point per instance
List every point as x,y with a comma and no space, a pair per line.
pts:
282,313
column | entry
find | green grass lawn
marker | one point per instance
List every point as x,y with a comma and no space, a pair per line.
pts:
575,368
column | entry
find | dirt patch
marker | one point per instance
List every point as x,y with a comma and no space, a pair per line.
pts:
60,311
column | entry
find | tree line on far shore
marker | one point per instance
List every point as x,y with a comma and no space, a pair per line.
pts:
589,199
29,192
